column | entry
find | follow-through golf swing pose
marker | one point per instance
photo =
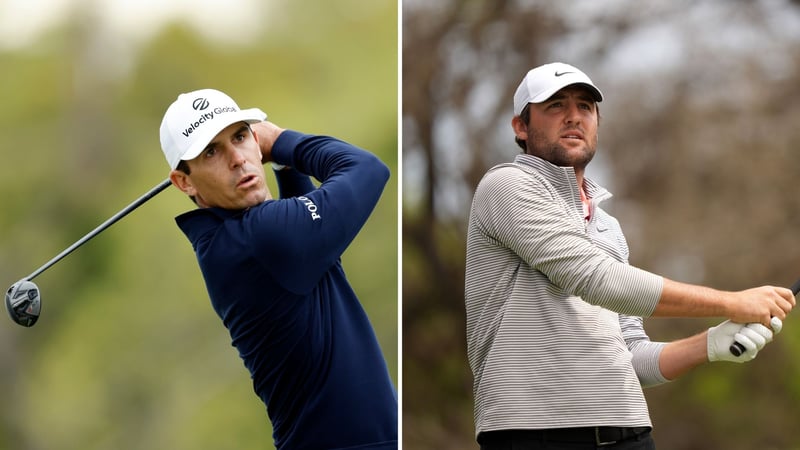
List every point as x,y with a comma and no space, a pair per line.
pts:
272,267
554,311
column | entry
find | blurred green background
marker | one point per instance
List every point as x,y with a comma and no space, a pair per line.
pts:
698,142
128,353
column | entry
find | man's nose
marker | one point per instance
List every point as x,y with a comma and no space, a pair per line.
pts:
235,157
573,114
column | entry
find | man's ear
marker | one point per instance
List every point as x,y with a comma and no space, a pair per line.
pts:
520,128
255,136
182,181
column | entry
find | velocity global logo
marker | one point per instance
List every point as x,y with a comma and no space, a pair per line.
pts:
196,124
200,104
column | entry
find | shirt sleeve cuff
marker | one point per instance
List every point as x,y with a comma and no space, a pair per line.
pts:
645,362
283,148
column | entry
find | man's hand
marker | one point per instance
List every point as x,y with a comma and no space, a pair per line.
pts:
753,337
266,133
760,304
755,305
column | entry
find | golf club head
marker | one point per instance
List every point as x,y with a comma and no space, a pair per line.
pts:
23,303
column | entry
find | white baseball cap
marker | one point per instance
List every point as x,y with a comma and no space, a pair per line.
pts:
192,121
542,82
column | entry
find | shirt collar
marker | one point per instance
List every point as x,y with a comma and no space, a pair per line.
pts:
563,178
198,222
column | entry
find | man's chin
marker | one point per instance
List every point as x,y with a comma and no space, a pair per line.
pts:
254,200
576,160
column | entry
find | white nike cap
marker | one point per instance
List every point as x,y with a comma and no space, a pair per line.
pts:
542,82
192,121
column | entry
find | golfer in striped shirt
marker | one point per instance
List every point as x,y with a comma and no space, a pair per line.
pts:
554,311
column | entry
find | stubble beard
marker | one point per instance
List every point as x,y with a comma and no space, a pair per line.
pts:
555,153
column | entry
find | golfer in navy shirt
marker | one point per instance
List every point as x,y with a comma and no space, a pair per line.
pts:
272,268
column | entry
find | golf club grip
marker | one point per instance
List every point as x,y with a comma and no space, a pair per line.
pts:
737,348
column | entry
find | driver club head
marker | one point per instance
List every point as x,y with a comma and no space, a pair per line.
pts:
23,303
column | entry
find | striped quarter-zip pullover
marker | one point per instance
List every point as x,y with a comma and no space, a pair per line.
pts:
554,328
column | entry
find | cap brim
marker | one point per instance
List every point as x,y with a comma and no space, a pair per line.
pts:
543,96
251,116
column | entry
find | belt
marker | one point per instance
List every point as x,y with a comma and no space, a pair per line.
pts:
599,436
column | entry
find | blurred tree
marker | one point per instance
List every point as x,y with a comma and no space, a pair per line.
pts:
695,142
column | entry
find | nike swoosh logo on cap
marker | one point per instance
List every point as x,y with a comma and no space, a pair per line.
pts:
562,73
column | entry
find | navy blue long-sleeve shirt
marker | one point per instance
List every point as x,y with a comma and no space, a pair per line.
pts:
274,276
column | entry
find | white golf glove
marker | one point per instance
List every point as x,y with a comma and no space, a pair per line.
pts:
752,336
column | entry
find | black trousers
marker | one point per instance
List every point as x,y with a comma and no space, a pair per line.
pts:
596,438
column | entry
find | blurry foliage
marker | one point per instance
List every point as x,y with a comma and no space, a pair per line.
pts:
128,353
699,150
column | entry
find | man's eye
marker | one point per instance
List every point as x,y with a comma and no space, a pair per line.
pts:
210,152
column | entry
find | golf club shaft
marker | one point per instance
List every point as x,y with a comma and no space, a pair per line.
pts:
138,202
737,348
